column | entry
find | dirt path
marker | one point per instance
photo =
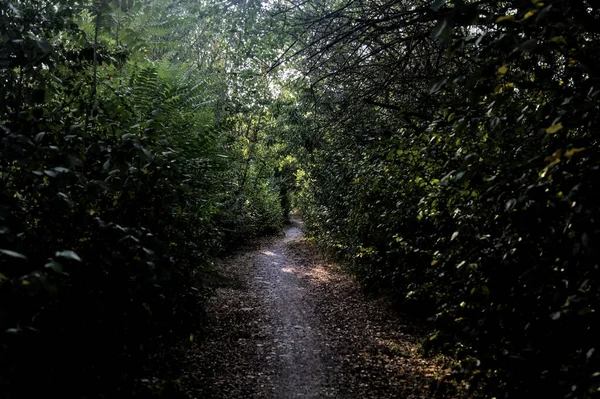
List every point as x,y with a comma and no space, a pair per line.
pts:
286,324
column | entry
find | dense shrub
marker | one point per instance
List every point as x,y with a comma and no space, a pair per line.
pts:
460,175
116,177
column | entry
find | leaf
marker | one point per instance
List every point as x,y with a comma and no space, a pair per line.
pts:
44,46
54,265
68,255
554,128
510,204
13,254
543,12
437,4
454,235
502,70
66,198
441,30
573,151
554,157
590,353
530,14
38,137
505,18
148,154
437,85
14,9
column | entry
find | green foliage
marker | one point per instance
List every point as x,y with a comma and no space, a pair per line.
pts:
455,166
120,176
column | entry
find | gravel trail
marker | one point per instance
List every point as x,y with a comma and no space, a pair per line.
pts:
287,324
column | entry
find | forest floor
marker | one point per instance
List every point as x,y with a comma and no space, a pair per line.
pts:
285,323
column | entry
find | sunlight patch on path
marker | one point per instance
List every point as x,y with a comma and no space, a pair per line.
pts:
297,350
